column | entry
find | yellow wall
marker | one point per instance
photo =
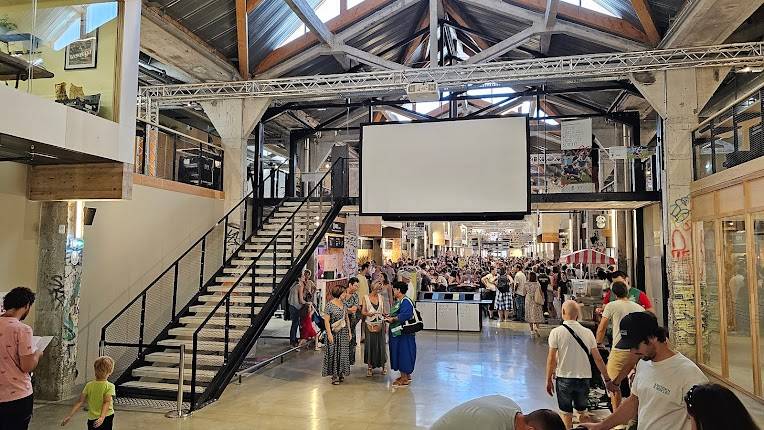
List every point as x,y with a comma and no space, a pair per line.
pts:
20,226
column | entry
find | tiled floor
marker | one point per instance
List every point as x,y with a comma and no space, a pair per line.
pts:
451,368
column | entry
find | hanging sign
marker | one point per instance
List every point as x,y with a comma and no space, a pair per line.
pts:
617,152
337,227
576,134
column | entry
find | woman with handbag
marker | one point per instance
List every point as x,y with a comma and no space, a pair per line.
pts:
402,345
337,352
534,304
374,351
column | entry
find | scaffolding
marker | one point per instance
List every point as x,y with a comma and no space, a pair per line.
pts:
577,68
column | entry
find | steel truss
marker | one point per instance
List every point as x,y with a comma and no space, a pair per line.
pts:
577,68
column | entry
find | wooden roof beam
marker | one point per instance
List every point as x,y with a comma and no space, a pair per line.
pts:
646,19
550,18
424,21
242,38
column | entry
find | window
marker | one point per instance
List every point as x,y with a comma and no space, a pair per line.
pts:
325,11
758,240
737,302
592,5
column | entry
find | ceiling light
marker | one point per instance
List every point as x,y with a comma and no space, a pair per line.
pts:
327,165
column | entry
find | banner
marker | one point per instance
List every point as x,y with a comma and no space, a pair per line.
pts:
617,152
576,134
577,167
640,153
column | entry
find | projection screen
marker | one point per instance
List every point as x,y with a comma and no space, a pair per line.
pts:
457,169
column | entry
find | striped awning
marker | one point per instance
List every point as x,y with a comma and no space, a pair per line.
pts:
587,256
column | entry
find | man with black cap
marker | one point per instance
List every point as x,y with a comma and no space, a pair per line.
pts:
663,378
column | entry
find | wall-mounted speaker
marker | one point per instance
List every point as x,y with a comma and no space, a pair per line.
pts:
89,215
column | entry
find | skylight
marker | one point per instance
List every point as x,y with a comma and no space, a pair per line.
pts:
325,11
592,5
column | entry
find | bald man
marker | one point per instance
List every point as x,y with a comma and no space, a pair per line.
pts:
570,347
497,413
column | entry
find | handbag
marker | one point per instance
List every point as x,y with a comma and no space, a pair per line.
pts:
339,324
538,296
374,322
414,324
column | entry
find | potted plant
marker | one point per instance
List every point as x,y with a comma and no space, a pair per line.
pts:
6,26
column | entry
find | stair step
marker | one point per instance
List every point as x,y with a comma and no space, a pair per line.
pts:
281,239
247,280
262,261
172,373
234,298
261,246
235,322
281,269
239,310
259,289
261,275
174,358
207,332
255,254
203,345
161,386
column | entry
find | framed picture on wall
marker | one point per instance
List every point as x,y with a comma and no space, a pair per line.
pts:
82,54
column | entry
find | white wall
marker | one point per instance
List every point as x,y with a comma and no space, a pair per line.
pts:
20,227
128,245
653,252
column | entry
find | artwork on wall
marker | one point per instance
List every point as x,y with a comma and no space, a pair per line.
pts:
82,54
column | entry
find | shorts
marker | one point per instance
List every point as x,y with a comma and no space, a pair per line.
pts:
16,414
573,393
615,362
108,422
489,295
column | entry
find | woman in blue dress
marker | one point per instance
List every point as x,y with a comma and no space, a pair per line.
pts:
402,346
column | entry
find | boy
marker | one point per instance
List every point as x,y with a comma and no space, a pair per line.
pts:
98,394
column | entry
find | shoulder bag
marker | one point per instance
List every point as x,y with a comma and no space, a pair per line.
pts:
413,325
538,296
592,364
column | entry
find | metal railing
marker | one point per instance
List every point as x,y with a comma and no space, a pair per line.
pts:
731,137
148,316
169,154
311,220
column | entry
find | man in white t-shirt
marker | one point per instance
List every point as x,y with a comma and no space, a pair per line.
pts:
663,378
619,359
489,281
568,363
519,292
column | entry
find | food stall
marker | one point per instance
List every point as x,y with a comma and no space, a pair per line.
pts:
588,292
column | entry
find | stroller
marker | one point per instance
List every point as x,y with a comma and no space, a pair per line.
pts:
598,395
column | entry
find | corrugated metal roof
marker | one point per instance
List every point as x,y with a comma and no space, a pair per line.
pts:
562,45
270,24
664,11
381,39
621,8
214,21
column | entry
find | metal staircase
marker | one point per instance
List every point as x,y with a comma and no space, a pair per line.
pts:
227,308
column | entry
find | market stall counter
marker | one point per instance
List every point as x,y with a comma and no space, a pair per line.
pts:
451,311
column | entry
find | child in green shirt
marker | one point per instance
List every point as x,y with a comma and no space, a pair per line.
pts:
98,394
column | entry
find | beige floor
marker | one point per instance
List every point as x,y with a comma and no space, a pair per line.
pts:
451,368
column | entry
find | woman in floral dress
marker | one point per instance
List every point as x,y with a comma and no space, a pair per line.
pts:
337,351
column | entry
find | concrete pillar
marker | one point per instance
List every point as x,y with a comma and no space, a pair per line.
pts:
58,298
234,121
678,96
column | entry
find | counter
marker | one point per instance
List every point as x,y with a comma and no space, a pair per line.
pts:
451,311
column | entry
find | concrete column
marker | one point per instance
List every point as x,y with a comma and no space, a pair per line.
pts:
234,120
678,96
58,298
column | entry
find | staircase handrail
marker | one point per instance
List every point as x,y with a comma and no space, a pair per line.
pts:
226,298
224,219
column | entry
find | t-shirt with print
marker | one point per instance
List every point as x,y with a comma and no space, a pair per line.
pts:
635,295
15,342
94,392
615,311
660,387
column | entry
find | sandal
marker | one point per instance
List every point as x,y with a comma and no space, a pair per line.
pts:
384,371
369,372
399,383
335,381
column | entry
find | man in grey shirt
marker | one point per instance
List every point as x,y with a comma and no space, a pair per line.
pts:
497,413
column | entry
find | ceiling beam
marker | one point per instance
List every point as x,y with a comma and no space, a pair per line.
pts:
371,59
242,38
433,13
460,19
550,18
168,41
304,47
573,20
505,45
646,19
308,16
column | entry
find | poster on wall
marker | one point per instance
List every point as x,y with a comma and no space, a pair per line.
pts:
82,54
577,167
337,227
639,153
576,134
337,242
617,152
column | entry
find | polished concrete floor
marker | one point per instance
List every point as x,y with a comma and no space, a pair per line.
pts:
451,368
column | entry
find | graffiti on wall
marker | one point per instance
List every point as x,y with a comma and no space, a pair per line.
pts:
680,209
681,299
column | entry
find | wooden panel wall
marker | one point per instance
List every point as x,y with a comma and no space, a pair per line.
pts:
96,181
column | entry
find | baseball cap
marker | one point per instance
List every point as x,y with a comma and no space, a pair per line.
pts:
635,328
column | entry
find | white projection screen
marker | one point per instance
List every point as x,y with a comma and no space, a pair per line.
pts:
454,169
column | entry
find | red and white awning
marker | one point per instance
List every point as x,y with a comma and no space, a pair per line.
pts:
587,256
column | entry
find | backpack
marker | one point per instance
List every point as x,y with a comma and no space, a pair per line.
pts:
503,284
563,284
